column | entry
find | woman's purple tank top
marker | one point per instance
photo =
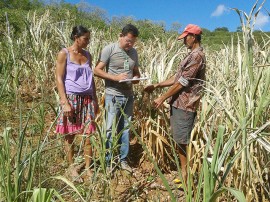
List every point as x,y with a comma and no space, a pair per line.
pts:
78,78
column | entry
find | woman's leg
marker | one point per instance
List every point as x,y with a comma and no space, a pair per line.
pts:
69,148
88,155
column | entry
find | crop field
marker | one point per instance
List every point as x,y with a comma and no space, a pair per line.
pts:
229,154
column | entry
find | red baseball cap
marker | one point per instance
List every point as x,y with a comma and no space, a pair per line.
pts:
190,29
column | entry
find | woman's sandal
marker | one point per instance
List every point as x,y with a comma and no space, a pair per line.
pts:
179,183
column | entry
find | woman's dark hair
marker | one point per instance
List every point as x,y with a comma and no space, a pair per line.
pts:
78,31
129,28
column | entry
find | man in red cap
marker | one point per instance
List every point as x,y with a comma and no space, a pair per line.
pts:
184,92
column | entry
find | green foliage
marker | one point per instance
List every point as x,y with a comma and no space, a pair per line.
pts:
45,195
175,26
12,20
236,193
239,29
206,31
148,29
20,4
221,29
17,172
13,15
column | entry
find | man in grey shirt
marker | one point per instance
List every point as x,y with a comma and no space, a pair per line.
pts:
119,61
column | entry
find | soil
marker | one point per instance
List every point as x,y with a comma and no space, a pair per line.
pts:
144,184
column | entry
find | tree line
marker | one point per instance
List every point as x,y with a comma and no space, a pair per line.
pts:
13,12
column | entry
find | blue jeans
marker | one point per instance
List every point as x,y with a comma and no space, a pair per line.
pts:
117,123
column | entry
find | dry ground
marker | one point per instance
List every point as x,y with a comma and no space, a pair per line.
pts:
143,184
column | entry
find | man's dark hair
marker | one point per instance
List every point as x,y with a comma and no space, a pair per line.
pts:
198,37
78,31
129,28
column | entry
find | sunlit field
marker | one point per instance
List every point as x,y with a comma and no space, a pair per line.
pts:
230,147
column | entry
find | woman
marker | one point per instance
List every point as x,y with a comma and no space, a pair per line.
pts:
79,104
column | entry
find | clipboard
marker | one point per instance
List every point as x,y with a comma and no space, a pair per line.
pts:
134,79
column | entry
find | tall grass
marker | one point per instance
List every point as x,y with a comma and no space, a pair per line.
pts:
229,151
20,160
238,97
235,99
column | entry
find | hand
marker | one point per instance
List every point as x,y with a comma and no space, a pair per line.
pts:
158,101
67,110
149,89
121,76
135,82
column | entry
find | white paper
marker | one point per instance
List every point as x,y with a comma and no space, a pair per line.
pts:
134,79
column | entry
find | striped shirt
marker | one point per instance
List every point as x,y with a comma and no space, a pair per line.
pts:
191,75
